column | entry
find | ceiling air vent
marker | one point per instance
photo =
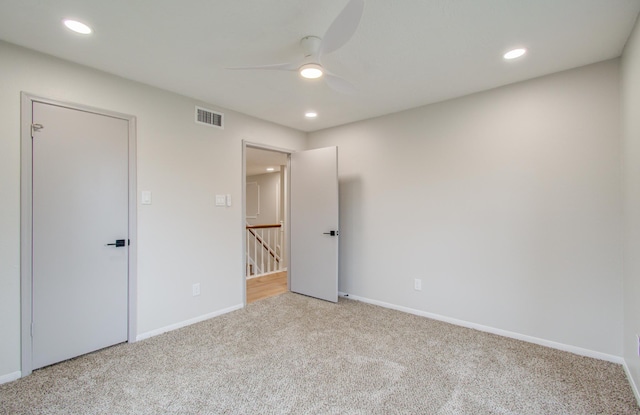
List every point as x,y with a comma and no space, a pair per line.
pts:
208,117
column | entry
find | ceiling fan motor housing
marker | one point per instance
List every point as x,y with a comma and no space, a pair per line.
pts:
310,45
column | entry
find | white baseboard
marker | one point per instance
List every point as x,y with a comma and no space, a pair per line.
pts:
634,387
530,339
10,377
185,323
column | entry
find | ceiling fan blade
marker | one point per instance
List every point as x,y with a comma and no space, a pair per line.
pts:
339,84
343,27
276,67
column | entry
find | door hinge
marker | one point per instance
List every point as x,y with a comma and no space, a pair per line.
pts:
35,128
31,329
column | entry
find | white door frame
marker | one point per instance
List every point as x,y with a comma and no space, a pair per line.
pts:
26,217
287,235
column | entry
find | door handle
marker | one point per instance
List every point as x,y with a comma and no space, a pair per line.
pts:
118,243
332,233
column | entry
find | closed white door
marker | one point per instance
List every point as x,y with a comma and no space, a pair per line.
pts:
80,205
313,265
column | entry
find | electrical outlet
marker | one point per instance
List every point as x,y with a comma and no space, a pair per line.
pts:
417,284
196,289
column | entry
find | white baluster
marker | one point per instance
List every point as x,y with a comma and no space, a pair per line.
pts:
274,248
271,245
262,251
255,251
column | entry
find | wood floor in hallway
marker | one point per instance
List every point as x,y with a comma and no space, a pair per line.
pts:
267,286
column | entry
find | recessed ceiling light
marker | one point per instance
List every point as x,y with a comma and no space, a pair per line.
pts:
310,71
515,53
77,26
311,114
270,169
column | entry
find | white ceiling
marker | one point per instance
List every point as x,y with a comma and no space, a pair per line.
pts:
258,160
404,54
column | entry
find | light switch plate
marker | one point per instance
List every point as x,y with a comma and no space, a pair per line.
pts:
221,200
145,197
228,200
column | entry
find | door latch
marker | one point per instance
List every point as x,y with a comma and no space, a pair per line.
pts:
332,233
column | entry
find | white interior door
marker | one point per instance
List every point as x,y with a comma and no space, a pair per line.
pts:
313,264
80,204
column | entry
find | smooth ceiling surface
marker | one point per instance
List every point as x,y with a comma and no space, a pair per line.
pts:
404,54
258,160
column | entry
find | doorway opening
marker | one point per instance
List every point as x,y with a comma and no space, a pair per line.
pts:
310,217
265,222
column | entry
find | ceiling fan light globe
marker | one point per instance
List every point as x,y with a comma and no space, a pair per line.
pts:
311,71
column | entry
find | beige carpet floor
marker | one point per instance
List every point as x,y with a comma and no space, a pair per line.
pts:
295,355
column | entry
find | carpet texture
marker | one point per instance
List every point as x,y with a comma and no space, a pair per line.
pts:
291,354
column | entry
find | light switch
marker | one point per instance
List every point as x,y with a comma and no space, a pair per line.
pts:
221,200
228,200
146,197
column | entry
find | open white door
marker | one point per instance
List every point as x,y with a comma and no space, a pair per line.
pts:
313,265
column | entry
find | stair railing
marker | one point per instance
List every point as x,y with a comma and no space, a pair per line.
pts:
263,249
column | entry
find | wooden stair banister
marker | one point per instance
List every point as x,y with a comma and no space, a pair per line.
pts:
275,225
252,228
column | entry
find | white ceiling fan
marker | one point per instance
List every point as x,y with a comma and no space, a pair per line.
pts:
314,48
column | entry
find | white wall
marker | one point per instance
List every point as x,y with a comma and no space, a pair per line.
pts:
506,203
630,85
182,238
